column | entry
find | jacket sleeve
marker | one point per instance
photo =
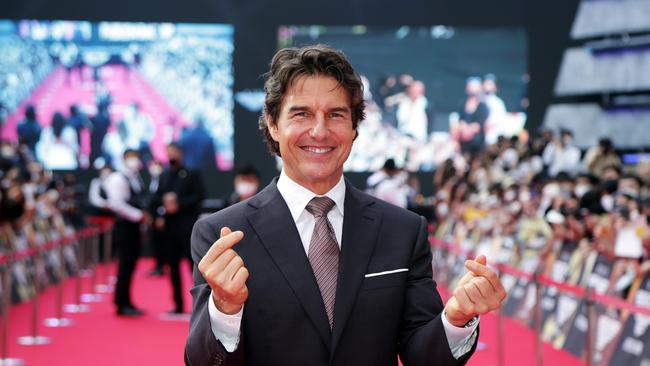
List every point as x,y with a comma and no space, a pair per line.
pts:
202,347
423,340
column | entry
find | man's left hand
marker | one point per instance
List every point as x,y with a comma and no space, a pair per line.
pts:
477,293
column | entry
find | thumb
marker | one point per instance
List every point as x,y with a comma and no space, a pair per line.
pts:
225,231
481,259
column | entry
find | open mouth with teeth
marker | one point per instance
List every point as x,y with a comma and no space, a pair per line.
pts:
321,150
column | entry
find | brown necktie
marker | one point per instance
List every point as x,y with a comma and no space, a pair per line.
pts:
324,253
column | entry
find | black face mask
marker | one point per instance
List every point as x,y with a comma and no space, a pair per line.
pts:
174,162
12,209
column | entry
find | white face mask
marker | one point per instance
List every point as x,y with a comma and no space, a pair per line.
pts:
7,151
155,170
133,164
607,202
581,189
245,188
509,196
443,209
551,190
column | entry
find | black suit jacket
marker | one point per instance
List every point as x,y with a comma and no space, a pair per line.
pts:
188,187
284,321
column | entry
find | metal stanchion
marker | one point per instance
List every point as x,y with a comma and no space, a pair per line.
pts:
106,287
77,306
59,320
538,319
5,360
591,326
108,242
34,339
93,256
500,334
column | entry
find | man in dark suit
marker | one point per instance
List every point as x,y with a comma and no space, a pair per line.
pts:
175,206
317,272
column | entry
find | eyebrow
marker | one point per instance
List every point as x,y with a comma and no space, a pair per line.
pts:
340,109
300,108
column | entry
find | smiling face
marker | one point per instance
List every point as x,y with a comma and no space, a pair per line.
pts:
314,131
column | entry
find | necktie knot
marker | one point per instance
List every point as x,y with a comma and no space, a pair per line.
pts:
320,206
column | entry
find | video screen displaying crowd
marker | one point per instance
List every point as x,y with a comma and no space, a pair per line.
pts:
79,94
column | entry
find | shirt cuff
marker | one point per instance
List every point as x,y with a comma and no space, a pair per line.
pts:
460,339
225,327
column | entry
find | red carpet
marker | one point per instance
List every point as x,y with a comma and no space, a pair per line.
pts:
100,338
56,94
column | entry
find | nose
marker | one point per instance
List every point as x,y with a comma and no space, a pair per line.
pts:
319,130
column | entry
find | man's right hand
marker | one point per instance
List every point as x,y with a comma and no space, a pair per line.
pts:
225,272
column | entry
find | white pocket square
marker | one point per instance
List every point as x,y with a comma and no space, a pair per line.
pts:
386,272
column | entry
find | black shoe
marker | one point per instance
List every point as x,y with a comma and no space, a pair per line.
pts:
129,311
156,272
176,311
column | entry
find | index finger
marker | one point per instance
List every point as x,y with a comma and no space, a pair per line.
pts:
483,270
225,242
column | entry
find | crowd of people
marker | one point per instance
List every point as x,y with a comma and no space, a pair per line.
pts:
520,201
200,87
543,206
545,190
400,119
24,64
152,205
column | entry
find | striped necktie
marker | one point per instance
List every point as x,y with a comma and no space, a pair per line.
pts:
324,253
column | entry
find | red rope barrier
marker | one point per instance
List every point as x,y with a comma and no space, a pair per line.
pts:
605,300
53,244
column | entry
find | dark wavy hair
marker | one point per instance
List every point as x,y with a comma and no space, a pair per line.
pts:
289,64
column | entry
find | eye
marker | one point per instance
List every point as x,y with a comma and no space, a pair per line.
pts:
300,114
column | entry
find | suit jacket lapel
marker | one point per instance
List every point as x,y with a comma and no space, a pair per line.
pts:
360,229
274,226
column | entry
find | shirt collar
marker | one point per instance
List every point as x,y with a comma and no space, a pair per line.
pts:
297,197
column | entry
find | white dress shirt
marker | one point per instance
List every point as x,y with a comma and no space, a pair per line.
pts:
226,328
118,187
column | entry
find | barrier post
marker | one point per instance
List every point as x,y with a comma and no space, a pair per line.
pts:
77,307
500,333
34,339
105,287
538,319
591,326
5,304
59,320
108,243
92,239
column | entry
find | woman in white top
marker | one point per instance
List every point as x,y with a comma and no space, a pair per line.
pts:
58,147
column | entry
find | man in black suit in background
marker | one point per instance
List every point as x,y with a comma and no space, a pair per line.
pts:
175,207
312,271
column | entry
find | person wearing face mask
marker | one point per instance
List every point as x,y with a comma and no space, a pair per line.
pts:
176,206
562,156
127,197
246,184
584,183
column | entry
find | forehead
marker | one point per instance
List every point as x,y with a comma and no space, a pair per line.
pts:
317,89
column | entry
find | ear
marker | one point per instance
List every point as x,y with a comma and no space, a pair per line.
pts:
273,127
